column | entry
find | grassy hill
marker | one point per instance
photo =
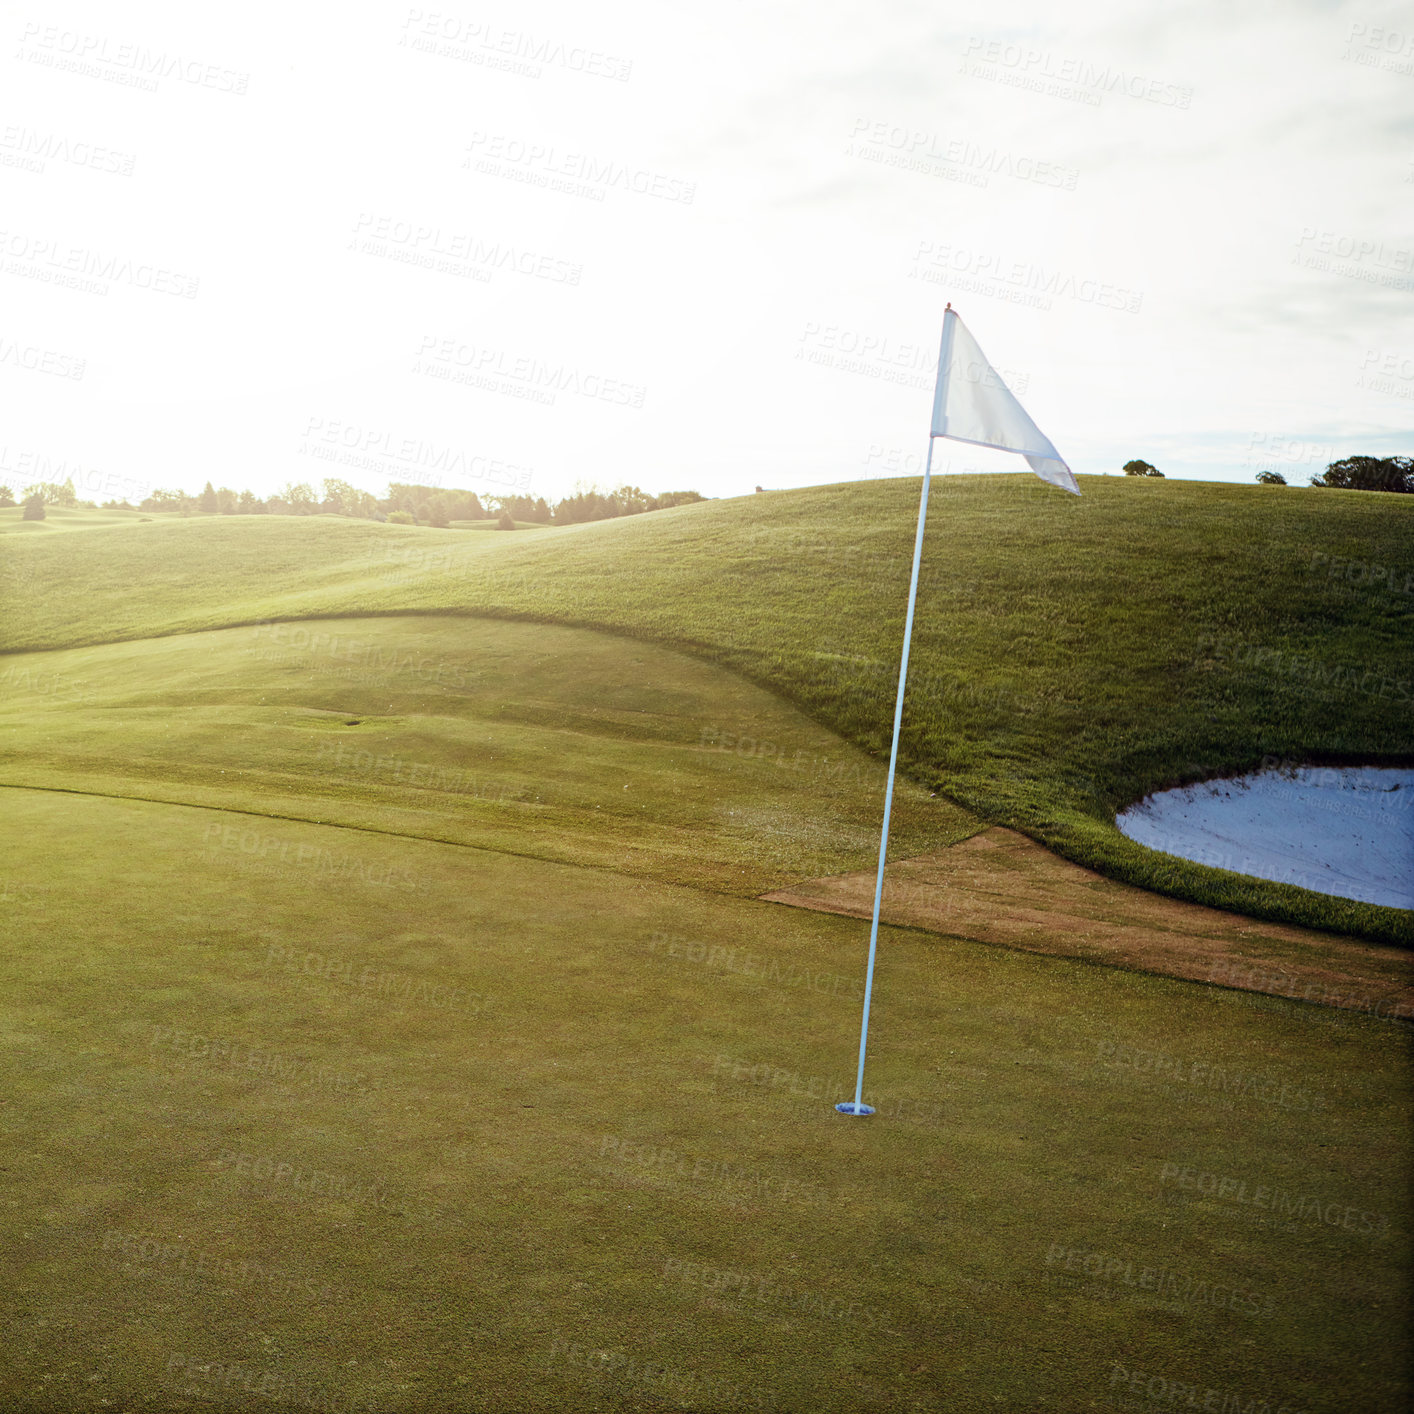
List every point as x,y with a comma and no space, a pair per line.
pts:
1070,654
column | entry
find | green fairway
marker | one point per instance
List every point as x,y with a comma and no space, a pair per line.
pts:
302,1116
1070,655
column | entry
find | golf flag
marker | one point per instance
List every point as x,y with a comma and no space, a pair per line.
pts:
972,404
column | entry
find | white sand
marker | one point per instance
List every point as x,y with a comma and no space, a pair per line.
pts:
1347,831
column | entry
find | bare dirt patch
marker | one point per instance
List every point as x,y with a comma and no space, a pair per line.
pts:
1000,887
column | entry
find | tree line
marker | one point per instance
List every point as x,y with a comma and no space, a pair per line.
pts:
406,503
1348,474
1358,474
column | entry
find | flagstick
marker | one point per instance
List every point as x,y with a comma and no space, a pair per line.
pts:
859,1107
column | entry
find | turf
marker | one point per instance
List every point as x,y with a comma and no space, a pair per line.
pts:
351,1121
368,1045
534,739
1070,656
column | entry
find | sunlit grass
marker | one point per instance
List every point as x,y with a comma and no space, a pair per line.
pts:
1071,654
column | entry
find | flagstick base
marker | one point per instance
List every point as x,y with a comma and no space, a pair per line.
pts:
848,1107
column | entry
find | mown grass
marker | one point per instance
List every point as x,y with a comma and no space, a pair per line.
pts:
581,747
575,1148
1070,655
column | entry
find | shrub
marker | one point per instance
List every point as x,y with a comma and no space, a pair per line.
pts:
1271,478
1369,474
34,508
505,522
400,518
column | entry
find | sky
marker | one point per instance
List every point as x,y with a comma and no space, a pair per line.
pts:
539,247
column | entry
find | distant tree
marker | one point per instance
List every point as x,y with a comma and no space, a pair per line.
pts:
585,506
404,496
341,498
7,496
437,512
1271,478
34,508
400,518
632,501
1369,474
459,503
299,496
1138,468
522,508
53,493
245,503
226,501
468,506
679,498
506,521
209,503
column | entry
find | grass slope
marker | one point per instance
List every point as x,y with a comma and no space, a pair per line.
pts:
12,521
367,1122
583,747
1070,654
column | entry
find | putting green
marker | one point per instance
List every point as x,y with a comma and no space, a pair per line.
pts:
356,1121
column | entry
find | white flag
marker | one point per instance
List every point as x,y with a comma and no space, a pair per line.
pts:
972,404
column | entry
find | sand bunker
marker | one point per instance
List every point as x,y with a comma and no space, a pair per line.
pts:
1347,831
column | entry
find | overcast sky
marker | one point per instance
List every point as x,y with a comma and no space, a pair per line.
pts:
540,245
